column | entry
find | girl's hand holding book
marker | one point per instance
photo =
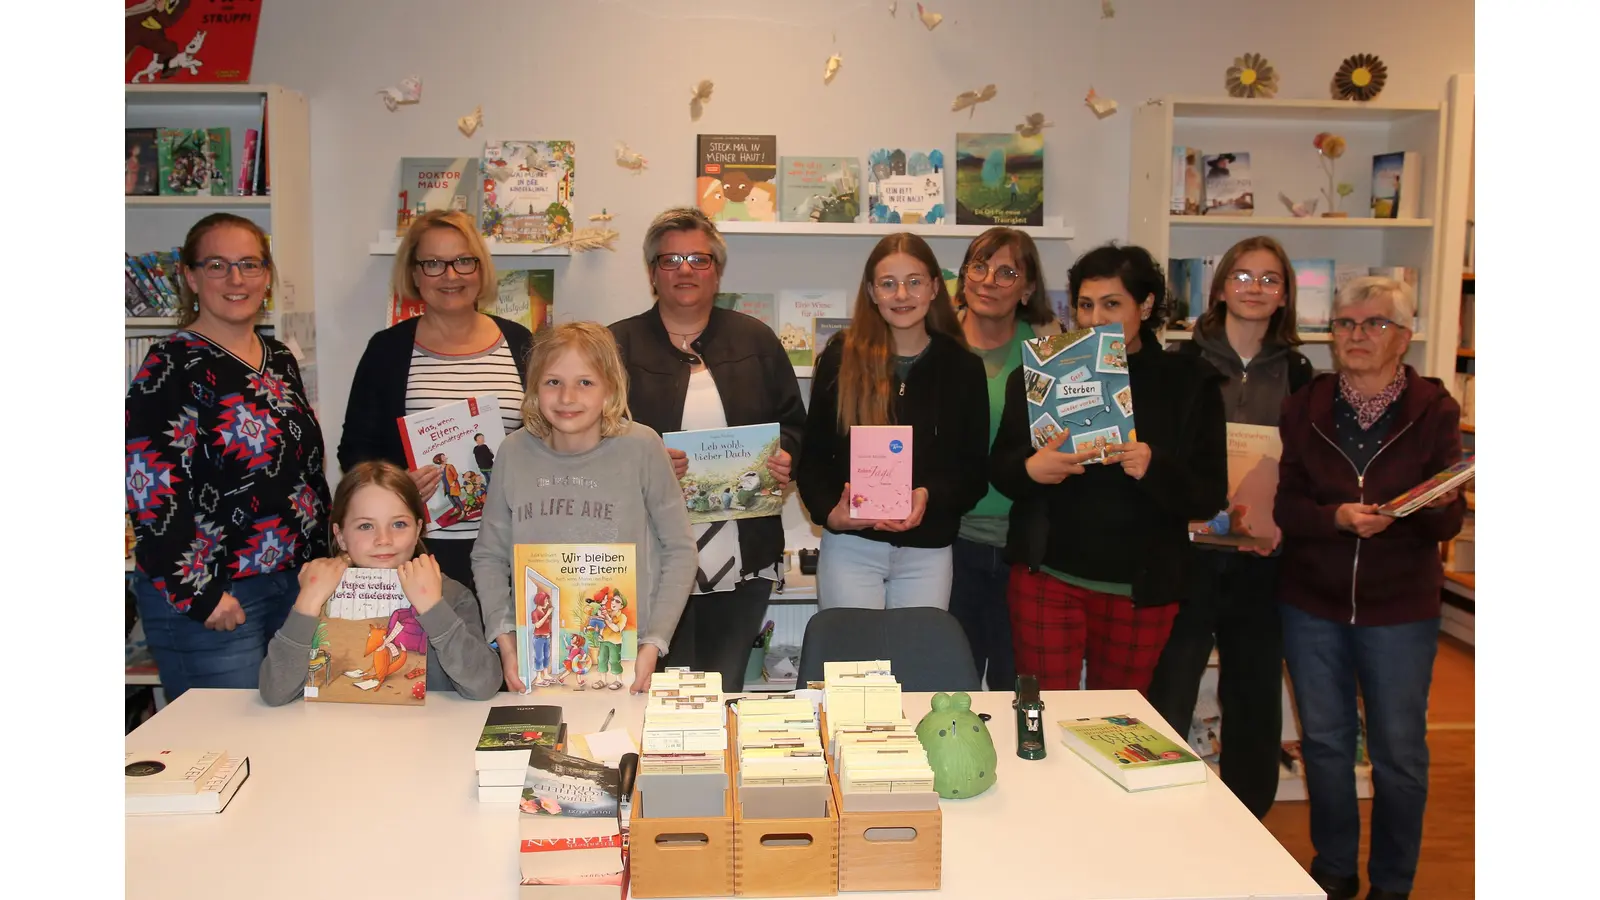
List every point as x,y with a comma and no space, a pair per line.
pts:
421,581
919,505
318,580
839,517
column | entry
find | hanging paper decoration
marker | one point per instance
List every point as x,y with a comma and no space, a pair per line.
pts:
1361,77
1102,106
1032,124
630,160
1252,76
471,122
832,68
929,18
699,94
971,99
408,91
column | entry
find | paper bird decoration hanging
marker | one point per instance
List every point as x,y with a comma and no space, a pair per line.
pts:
1361,77
930,19
1032,124
832,68
408,91
1102,106
601,216
698,96
893,5
471,122
630,160
971,99
1107,11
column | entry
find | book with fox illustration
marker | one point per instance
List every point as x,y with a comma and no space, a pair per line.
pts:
1077,382
727,476
369,646
461,438
577,611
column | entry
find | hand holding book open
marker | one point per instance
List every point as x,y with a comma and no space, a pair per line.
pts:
1049,465
839,517
318,580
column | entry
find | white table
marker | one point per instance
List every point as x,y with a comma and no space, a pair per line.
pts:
349,800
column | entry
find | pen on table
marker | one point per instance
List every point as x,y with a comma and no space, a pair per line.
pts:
607,722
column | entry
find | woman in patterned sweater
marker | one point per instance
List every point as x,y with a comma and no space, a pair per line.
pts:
224,470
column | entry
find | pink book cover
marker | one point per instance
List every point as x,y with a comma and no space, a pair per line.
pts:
880,471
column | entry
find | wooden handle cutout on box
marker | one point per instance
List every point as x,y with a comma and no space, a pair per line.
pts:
786,840
890,834
674,841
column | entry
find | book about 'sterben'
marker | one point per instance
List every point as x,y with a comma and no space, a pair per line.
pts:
905,187
369,646
429,183
1430,490
1253,454
454,438
1227,185
727,476
819,189
999,179
1077,382
880,471
528,191
797,310
1131,753
736,177
577,607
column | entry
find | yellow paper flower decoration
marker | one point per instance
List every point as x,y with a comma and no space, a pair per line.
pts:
1252,76
1361,77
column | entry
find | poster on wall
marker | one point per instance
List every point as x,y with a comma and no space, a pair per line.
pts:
190,41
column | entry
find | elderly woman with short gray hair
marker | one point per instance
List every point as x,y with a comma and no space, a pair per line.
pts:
1359,591
691,366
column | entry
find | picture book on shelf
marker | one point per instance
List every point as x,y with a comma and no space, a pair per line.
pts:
1189,290
577,610
194,161
1315,284
727,476
1397,185
178,42
527,297
527,191
402,308
1131,753
880,471
823,329
461,438
763,307
905,187
819,189
142,168
736,177
1227,185
1430,490
999,179
369,646
429,183
1077,382
1187,181
1253,454
797,309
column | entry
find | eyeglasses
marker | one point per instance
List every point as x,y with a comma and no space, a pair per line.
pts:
1374,325
1004,276
217,267
1269,283
433,268
670,261
917,287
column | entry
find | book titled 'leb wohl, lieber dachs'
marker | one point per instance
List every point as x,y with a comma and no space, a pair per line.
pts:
727,476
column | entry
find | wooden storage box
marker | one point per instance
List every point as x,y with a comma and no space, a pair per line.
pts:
681,857
781,857
905,851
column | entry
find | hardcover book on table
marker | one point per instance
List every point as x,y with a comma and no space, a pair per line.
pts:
736,177
819,189
905,187
510,731
429,183
211,796
1227,185
999,179
1077,382
178,42
369,646
1131,753
167,772
458,438
1253,454
527,191
797,309
584,596
880,471
727,476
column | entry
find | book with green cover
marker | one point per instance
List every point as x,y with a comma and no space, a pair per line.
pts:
1131,752
509,729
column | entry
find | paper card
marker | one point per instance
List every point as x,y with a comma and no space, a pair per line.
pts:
1081,373
609,746
1113,355
1037,385
1124,401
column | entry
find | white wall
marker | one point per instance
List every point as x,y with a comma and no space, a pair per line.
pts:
599,71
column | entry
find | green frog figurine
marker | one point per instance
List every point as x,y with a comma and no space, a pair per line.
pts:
960,750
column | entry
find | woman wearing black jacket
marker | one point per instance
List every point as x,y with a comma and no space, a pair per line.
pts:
1098,551
901,361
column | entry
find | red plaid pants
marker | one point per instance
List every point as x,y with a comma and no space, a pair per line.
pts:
1055,625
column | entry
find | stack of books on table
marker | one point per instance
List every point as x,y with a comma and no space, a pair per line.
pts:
570,838
166,782
783,773
875,747
683,759
509,733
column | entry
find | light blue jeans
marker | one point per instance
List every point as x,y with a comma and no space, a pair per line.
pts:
188,654
863,574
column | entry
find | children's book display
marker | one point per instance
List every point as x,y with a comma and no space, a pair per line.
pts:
1131,753
501,757
819,189
527,191
181,781
736,177
999,179
180,42
823,329
461,438
429,183
1430,490
1187,181
1397,185
570,843
1253,454
194,161
527,297
577,613
880,471
369,646
1077,382
727,477
905,187
1315,284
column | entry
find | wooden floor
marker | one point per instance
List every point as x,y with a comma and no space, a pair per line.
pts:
1446,867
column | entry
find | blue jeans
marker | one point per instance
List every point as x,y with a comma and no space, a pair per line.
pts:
861,574
980,576
541,653
188,654
1394,665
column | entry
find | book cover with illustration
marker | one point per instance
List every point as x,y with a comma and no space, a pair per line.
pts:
797,310
1077,382
759,306
527,297
727,476
736,177
880,471
999,179
527,191
141,166
905,187
823,329
176,42
428,183
565,796
1131,752
192,161
369,646
461,438
402,308
507,729
1315,283
1396,185
819,189
1430,490
577,606
1227,185
1187,181
1253,454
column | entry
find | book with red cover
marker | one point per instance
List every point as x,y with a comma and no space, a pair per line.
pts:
190,41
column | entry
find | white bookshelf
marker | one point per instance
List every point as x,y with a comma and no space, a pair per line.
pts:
1056,232
388,243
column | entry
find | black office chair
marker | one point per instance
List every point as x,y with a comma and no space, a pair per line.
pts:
925,646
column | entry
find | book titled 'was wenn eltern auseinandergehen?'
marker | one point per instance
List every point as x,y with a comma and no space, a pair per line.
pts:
461,439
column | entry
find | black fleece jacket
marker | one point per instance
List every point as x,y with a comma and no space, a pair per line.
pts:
1104,525
945,399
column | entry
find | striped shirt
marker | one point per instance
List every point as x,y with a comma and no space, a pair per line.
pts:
436,379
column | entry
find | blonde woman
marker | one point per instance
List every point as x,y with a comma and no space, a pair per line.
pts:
581,472
449,353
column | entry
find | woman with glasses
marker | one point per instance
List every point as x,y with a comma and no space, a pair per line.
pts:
901,361
1248,334
224,470
449,353
1359,591
1000,302
692,365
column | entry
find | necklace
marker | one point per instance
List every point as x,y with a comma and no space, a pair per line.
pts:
685,335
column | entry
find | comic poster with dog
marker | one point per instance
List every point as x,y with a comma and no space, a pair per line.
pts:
460,439
190,41
1077,382
577,614
736,177
727,476
369,646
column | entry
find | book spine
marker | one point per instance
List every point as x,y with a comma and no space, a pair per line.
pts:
247,165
